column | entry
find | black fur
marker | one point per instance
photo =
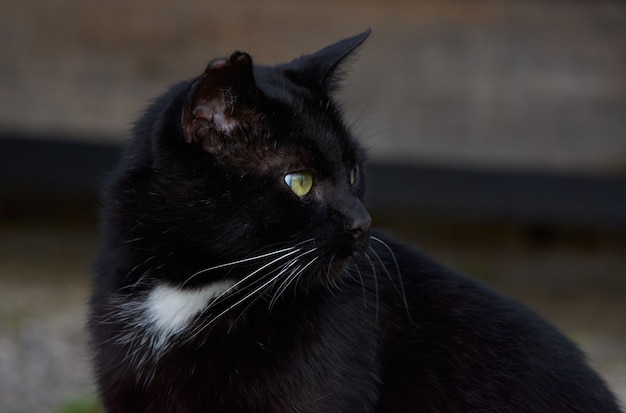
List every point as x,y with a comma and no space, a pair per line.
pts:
353,321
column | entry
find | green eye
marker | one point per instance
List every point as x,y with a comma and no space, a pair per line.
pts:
354,173
299,182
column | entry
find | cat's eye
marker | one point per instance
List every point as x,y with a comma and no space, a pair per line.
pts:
354,173
300,183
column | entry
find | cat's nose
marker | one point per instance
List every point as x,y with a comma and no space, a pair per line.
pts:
359,226
351,214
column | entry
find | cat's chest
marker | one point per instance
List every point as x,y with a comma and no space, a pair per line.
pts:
315,351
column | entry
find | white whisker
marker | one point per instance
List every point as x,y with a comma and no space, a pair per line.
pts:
249,295
290,279
150,258
384,267
247,285
285,282
209,324
247,277
241,300
398,272
374,277
356,267
233,263
272,281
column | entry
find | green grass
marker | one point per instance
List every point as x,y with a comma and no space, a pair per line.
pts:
83,405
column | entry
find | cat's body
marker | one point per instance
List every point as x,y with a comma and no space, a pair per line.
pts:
238,274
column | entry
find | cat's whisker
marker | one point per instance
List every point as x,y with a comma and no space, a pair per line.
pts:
284,269
290,264
334,281
248,259
398,272
393,254
330,265
209,324
365,111
145,274
375,279
384,267
242,300
358,270
256,291
246,278
140,280
132,270
292,250
260,295
248,285
285,282
289,281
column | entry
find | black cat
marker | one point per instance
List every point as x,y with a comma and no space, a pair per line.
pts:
238,273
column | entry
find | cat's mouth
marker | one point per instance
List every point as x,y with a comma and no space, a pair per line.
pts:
343,254
349,244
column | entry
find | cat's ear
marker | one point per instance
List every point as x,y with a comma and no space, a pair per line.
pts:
221,98
324,67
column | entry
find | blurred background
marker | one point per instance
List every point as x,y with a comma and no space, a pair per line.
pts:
496,131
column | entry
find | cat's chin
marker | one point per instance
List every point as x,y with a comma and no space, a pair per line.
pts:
342,259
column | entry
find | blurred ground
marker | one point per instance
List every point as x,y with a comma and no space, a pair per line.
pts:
495,84
44,278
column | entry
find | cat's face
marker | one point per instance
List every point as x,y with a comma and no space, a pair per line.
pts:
255,161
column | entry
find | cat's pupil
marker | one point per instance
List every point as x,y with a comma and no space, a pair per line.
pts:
300,183
353,175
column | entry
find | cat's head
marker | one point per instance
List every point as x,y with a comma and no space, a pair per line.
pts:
248,164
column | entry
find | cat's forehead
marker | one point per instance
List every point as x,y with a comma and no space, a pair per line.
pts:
312,138
305,140
280,87
302,114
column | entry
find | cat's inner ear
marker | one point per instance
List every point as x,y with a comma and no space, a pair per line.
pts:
221,98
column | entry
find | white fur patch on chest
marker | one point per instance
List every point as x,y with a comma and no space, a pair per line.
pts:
152,320
169,310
